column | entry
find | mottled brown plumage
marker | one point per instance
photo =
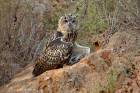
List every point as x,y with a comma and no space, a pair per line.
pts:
56,55
59,49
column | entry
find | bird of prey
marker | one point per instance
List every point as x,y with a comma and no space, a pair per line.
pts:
59,50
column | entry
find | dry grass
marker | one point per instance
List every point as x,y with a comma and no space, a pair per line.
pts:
25,24
21,36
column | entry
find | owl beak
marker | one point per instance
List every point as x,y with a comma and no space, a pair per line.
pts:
70,26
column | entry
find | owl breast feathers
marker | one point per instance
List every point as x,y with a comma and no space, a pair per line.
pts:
55,56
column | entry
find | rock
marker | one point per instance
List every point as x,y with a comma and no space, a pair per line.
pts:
104,71
78,78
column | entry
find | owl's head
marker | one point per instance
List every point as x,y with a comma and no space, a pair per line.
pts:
67,24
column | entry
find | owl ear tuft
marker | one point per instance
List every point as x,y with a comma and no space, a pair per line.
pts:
76,15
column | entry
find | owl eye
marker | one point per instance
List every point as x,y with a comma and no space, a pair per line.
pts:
73,21
65,21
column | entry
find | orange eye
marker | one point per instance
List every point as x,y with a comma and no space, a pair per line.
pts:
73,21
65,21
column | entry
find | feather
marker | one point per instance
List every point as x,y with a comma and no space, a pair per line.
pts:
57,54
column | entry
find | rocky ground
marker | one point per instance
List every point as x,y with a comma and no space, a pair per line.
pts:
112,69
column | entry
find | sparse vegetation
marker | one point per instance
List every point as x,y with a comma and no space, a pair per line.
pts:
26,25
111,81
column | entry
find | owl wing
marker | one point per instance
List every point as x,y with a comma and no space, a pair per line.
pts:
56,54
52,37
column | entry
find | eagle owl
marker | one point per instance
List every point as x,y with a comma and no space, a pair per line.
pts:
59,49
